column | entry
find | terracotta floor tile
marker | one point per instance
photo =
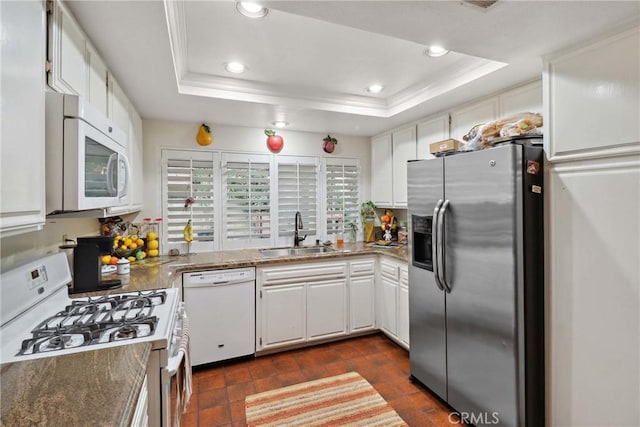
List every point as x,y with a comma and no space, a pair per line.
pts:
285,364
348,353
315,372
388,391
290,378
262,370
189,420
266,384
237,374
237,411
337,368
210,382
208,399
239,391
215,416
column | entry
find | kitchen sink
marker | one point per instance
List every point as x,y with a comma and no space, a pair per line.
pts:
269,253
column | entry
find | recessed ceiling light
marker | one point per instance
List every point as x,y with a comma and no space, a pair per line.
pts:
251,9
235,67
375,88
435,51
280,124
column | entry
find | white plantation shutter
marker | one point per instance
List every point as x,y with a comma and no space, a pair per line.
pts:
342,181
247,200
297,192
189,174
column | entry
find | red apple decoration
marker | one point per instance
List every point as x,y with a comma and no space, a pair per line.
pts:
274,142
329,144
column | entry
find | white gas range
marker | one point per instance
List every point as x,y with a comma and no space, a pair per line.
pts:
40,320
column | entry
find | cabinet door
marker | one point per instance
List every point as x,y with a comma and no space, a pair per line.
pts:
326,308
136,153
521,99
388,306
22,146
118,105
462,120
283,313
404,149
381,171
98,89
361,304
67,49
403,306
430,131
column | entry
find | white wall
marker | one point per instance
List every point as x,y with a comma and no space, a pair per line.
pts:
26,247
159,134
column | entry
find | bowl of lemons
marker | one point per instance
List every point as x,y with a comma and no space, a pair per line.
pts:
126,246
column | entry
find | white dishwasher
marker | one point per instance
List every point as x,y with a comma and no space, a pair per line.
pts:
222,313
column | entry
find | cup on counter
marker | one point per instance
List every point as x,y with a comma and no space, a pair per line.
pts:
124,266
340,240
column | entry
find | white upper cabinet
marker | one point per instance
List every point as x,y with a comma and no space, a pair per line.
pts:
404,149
463,119
67,49
136,160
22,150
98,90
381,170
430,131
527,98
118,104
593,94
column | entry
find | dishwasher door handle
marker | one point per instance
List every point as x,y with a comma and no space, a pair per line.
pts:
211,284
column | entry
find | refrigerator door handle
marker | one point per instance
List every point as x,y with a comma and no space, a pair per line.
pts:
440,241
434,244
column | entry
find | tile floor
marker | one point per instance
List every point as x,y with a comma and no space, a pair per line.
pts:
219,391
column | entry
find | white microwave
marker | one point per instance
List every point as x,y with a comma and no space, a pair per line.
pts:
86,157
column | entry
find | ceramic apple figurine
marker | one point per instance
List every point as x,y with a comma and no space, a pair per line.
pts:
329,144
274,142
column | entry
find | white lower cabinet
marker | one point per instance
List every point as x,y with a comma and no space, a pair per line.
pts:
283,314
305,302
362,315
403,306
393,304
327,309
362,300
388,322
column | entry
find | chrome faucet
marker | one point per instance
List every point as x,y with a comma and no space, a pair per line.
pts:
298,226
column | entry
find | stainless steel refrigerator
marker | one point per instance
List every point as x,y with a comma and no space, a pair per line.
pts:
476,285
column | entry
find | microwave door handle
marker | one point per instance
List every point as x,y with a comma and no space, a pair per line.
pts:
434,244
124,188
111,169
441,254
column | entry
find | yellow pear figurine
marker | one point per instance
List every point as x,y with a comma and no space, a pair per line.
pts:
204,135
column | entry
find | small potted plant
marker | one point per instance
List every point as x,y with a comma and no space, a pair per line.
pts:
368,219
329,144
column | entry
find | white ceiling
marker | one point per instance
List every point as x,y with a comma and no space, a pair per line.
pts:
311,61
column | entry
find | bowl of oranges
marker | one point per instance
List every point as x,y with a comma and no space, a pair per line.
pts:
126,246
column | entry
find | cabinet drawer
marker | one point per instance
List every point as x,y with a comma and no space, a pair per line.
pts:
302,272
389,270
362,268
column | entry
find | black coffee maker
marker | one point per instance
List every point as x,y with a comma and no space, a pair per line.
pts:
87,266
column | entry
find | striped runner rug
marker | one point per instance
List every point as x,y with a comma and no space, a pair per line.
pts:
342,400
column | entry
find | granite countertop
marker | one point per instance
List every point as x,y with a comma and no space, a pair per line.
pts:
98,387
159,272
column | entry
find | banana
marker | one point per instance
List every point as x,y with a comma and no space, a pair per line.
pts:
188,232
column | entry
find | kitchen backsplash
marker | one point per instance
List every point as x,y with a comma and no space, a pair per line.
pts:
19,249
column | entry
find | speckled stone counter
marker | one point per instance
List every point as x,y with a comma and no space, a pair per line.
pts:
98,388
158,273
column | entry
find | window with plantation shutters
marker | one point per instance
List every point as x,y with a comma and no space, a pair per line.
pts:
247,200
297,192
342,189
189,176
